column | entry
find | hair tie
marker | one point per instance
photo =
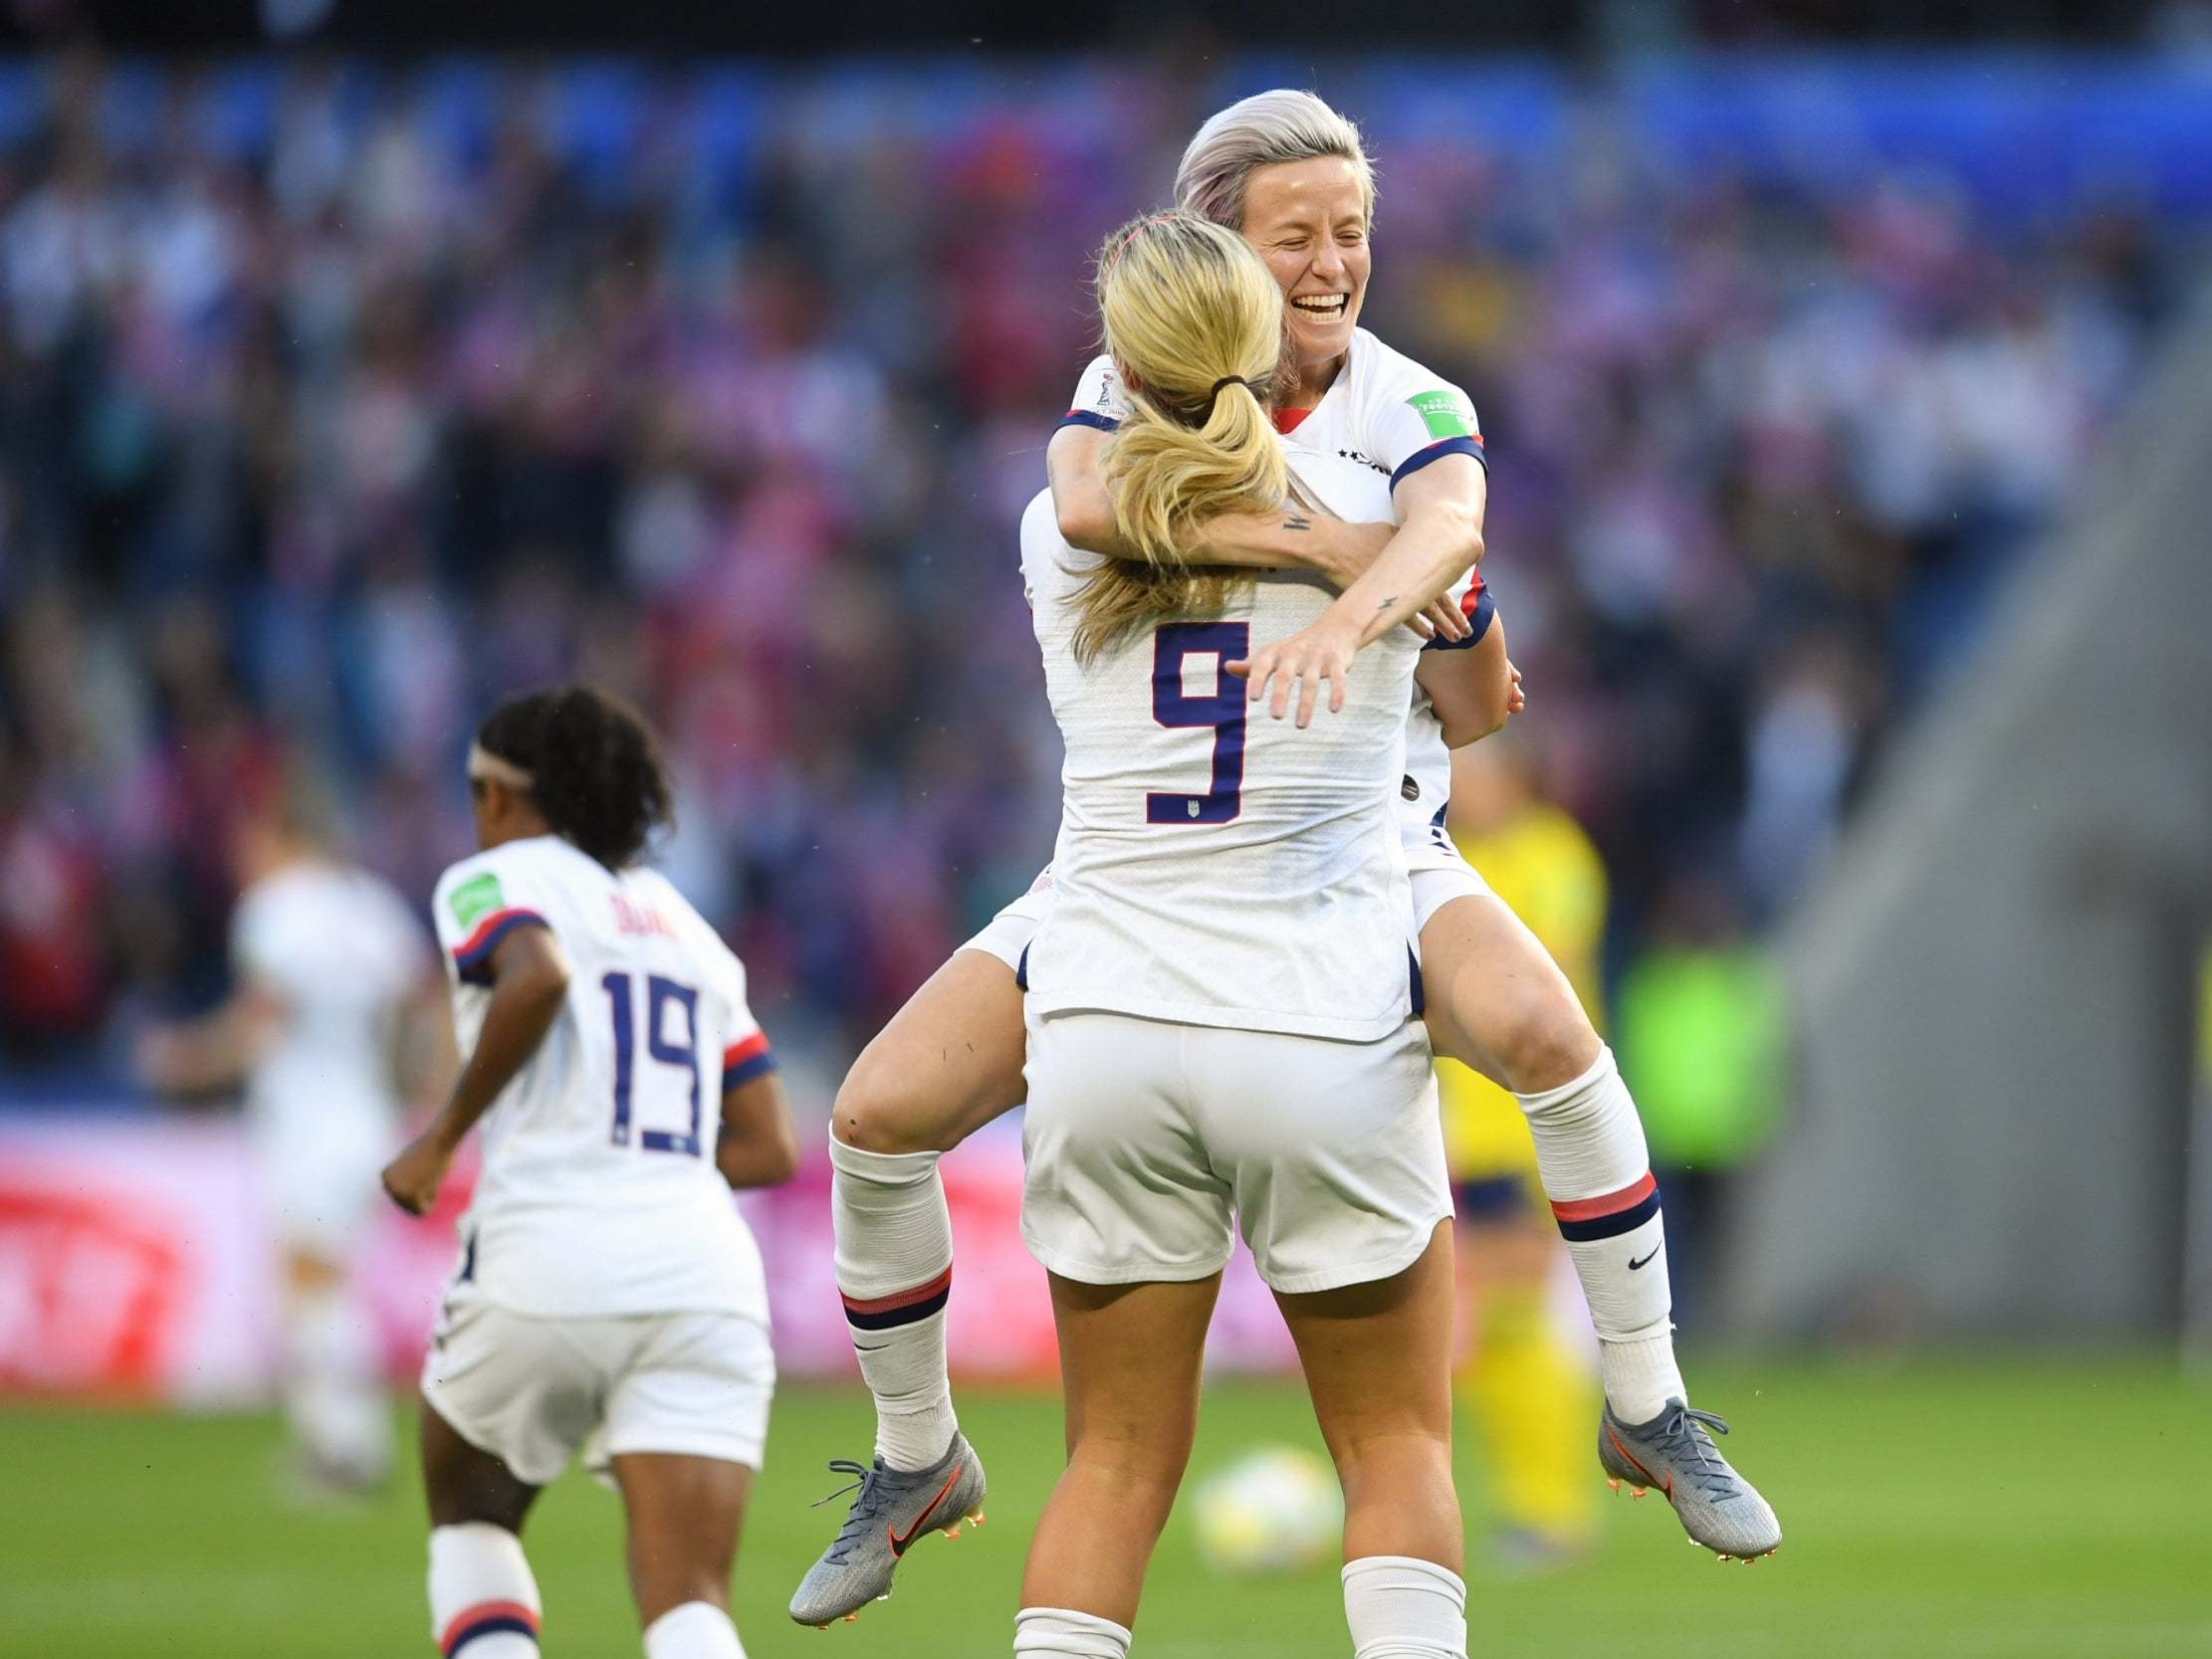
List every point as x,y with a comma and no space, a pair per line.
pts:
1227,381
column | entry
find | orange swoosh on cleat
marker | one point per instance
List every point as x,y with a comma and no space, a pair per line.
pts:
1667,1487
920,1522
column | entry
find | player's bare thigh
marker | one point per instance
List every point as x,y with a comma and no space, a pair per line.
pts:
1131,1357
1496,1001
463,1483
1377,1359
949,1062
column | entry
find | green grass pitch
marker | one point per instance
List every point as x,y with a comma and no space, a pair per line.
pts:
1998,1508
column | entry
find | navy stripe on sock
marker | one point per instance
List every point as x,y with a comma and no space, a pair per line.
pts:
489,1626
890,1319
1614,1225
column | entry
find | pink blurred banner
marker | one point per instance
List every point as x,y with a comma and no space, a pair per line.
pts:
137,1262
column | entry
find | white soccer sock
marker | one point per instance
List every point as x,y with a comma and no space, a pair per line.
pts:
1060,1633
895,1272
695,1631
1403,1607
333,1396
483,1601
1597,1172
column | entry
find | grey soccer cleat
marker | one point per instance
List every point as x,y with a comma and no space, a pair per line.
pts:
890,1510
1717,1507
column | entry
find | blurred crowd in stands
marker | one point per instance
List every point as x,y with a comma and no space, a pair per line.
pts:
337,400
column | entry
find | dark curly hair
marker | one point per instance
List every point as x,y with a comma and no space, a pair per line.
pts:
596,770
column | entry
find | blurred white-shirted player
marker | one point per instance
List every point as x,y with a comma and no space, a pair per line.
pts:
608,1298
333,979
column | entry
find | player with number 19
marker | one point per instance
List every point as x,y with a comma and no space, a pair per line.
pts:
608,1298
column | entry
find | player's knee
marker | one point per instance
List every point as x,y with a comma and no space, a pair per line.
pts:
461,1484
458,1499
1550,1043
1151,1462
1390,1454
878,1111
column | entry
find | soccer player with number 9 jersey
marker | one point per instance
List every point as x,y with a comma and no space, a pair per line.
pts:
608,1299
1224,1018
1292,175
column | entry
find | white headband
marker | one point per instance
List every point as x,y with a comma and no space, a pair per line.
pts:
484,763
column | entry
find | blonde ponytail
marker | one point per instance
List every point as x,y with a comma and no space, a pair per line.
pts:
1193,319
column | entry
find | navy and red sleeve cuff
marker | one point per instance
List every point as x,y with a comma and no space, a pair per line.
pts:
1090,418
471,957
1477,607
743,1062
1437,452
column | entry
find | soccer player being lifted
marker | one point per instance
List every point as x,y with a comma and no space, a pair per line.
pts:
1292,176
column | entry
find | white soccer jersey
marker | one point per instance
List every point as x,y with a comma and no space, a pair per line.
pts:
599,1193
1205,846
1388,414
341,951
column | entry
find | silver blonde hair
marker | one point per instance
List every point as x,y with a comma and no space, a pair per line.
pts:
1261,131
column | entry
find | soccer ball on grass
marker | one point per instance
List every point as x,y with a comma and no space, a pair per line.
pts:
1273,1508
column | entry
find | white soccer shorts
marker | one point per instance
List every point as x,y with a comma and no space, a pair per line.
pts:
1008,935
1145,1138
534,1392
1440,875
318,1171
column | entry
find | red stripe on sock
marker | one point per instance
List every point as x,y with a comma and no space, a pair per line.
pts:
1610,1203
482,1612
900,1299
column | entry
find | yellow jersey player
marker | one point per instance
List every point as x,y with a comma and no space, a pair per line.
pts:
1527,1376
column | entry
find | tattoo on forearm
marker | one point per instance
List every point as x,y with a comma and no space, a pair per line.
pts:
1291,521
1387,603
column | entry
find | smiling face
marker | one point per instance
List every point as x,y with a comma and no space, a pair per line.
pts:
1309,221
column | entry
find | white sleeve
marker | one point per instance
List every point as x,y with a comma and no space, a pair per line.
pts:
1413,417
1099,400
482,900
746,1054
1050,569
